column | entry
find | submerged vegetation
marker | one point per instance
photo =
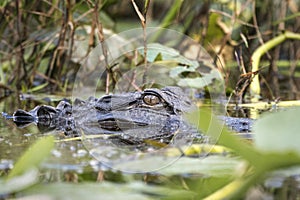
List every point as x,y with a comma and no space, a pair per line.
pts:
44,44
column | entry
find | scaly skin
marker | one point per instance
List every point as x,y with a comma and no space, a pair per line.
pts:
136,116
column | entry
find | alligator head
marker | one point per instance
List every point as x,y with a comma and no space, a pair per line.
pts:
133,117
150,114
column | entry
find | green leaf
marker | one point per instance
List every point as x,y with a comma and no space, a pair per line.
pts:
18,183
200,82
209,124
3,3
278,132
205,186
33,156
37,88
154,49
263,162
208,166
177,71
158,57
157,52
104,190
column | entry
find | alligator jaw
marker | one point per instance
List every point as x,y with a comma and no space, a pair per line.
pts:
119,124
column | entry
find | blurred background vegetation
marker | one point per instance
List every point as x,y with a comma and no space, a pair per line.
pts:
38,38
39,53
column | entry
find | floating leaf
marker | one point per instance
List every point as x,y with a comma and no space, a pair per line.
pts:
33,156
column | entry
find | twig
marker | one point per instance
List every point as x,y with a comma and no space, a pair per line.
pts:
230,16
101,38
143,18
103,136
20,52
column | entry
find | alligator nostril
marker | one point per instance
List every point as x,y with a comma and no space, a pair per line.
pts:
245,124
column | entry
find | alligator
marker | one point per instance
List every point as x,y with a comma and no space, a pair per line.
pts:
135,116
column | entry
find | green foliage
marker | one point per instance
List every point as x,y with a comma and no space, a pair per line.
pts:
260,162
90,191
278,132
33,156
260,51
214,32
19,183
36,45
25,173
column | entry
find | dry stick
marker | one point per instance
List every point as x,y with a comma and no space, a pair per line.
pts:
82,16
143,22
136,8
227,31
71,46
20,52
259,36
132,82
46,77
224,14
205,22
146,6
103,44
91,37
277,49
55,65
293,62
133,77
240,61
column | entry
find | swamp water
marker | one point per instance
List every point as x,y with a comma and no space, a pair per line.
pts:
70,161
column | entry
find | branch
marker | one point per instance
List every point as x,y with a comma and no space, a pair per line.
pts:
259,52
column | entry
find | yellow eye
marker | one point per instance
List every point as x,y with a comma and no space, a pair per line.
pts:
151,100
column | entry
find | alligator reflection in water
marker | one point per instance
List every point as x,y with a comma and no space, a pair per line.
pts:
154,114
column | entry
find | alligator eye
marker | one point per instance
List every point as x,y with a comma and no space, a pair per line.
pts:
151,100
